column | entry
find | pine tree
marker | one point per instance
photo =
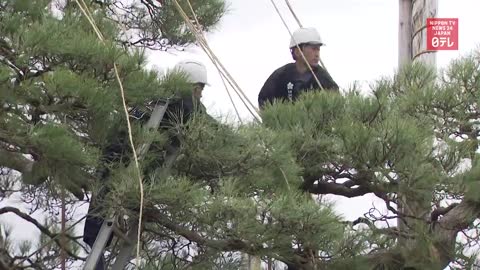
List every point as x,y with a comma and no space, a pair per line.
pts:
61,102
244,189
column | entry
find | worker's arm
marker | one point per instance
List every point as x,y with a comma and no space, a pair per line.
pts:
268,90
327,81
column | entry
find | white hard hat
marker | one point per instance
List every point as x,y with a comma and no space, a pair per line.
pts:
195,70
303,35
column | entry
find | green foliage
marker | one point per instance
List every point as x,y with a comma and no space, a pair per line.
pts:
366,133
172,262
247,183
58,71
297,218
208,13
247,188
254,157
62,155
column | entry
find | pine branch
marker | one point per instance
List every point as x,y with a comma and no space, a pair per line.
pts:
338,189
6,51
227,244
16,161
42,229
5,257
458,217
393,231
11,65
363,180
3,265
441,211
37,73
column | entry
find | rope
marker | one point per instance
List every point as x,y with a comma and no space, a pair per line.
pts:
203,40
321,62
291,35
293,13
198,35
300,25
216,61
231,99
88,15
221,74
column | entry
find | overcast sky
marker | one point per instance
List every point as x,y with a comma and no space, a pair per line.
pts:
362,45
361,37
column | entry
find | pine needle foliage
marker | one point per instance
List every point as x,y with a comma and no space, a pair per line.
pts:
251,189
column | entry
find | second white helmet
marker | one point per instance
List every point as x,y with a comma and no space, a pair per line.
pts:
195,70
304,35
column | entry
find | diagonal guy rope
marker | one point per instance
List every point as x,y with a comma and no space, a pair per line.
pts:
88,15
291,35
300,25
293,13
213,58
216,61
222,76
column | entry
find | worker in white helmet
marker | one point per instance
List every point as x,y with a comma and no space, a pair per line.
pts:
179,110
196,74
290,80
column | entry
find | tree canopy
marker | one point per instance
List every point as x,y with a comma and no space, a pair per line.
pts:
412,142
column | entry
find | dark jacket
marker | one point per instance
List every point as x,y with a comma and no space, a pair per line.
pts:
119,151
286,83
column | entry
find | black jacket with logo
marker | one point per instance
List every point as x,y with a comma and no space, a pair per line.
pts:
286,84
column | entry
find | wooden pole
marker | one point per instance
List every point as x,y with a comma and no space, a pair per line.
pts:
251,262
412,44
64,237
404,59
421,10
405,33
412,34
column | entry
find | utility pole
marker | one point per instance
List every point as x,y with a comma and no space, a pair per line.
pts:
63,254
251,262
412,43
412,31
405,33
423,9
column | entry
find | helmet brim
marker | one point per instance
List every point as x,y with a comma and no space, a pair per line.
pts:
316,43
204,83
309,43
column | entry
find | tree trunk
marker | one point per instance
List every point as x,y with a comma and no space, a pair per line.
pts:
251,262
